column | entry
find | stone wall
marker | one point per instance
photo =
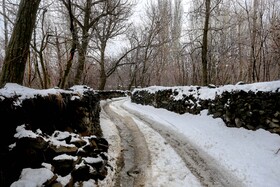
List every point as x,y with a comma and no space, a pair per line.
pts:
109,94
76,113
251,110
63,111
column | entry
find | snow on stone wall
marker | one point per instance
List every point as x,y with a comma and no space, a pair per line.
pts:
43,114
251,106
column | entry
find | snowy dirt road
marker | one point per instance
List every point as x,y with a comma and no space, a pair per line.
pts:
153,155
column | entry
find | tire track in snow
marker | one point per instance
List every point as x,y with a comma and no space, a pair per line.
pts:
209,172
136,156
167,167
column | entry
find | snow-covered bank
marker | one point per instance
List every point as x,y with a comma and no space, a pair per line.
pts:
111,134
250,155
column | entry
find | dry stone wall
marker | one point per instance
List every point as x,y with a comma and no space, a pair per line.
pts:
70,118
109,94
251,110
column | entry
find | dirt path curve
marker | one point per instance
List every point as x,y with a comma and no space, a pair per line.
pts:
136,154
136,157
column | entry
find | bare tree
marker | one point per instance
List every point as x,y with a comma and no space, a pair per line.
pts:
240,43
176,44
18,48
205,42
5,20
39,50
253,29
69,63
108,28
85,16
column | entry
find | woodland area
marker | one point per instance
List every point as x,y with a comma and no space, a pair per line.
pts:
48,43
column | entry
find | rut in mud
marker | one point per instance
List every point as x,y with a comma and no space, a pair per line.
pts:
136,157
135,153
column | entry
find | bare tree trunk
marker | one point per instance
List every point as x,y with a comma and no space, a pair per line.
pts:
58,51
5,24
81,63
45,82
253,59
63,80
82,48
37,71
103,76
240,54
133,79
18,47
205,43
176,31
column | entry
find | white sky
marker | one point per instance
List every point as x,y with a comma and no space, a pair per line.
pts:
139,15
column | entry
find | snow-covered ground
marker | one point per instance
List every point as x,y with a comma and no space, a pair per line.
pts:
167,167
249,155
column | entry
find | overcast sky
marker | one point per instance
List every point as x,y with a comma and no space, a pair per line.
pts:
116,45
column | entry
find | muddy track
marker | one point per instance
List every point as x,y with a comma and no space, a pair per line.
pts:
208,171
135,162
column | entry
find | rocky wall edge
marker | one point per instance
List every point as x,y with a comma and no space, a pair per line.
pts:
250,110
